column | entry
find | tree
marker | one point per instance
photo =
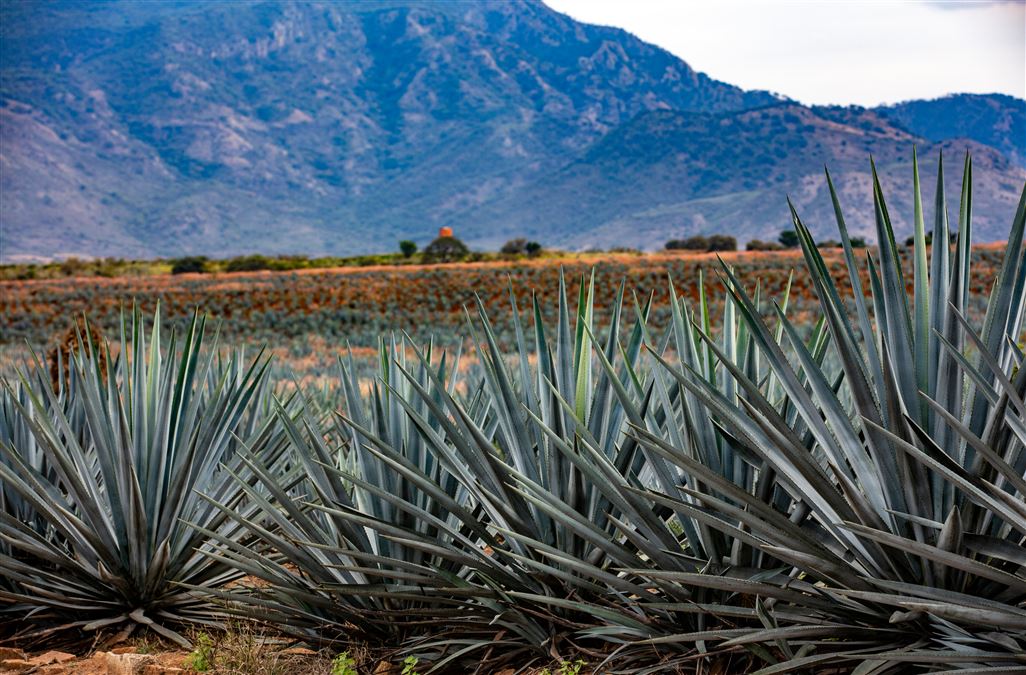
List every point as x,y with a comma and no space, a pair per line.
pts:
514,247
788,239
444,250
521,246
407,248
722,242
858,242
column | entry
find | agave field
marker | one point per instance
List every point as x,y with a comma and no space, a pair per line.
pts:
306,317
743,470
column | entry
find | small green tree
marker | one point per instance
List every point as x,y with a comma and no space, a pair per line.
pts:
788,239
407,248
858,242
533,249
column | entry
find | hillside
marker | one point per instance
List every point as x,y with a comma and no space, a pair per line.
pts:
161,129
669,174
993,119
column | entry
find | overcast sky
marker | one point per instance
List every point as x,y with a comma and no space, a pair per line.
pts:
834,51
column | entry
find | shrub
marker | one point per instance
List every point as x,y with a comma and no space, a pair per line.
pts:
858,242
71,267
201,659
760,245
248,263
108,267
189,264
344,664
514,247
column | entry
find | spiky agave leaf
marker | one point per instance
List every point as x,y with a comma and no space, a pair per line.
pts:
109,474
895,522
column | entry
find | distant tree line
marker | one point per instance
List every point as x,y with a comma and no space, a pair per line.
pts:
715,242
444,249
789,239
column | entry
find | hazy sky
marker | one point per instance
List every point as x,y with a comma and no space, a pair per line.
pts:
834,51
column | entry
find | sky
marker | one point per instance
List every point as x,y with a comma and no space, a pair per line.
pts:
863,52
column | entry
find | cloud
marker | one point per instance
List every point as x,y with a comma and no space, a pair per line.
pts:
865,52
971,4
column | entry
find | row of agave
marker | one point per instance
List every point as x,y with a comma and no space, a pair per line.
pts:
760,495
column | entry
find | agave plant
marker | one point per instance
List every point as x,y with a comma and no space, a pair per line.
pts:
496,504
96,481
380,541
880,518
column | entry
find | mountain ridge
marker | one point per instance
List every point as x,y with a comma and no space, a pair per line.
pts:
184,127
658,149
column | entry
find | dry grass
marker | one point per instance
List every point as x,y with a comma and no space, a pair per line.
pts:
249,649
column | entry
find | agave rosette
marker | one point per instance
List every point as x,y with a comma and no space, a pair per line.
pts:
108,480
891,530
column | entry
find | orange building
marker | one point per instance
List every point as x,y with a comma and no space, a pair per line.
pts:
444,232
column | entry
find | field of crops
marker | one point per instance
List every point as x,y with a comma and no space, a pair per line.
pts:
307,317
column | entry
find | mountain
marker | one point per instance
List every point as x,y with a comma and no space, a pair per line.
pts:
216,127
992,119
669,174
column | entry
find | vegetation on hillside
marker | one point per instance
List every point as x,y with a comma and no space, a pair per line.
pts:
117,267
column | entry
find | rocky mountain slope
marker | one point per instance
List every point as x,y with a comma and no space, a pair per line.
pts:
671,174
994,119
158,129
